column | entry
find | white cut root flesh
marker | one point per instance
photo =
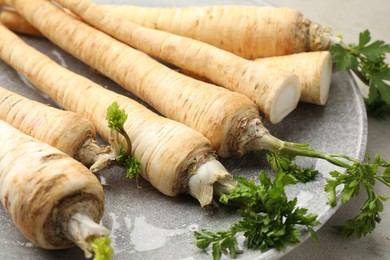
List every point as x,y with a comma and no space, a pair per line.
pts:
314,70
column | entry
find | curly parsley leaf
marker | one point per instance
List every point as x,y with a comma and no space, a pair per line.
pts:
285,162
101,247
269,218
132,165
360,175
116,119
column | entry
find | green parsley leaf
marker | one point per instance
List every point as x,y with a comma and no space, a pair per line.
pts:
131,164
116,118
284,162
360,175
101,247
344,60
269,218
367,60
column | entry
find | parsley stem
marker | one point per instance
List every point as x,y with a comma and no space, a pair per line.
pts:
128,141
273,144
360,75
379,178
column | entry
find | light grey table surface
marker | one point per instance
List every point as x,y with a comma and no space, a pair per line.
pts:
350,18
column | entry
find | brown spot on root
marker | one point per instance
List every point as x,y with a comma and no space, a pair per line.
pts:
6,201
51,157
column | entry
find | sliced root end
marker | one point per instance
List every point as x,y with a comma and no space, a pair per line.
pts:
286,99
326,70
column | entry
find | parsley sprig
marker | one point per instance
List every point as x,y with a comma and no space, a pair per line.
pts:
357,175
285,162
360,175
367,60
269,218
116,118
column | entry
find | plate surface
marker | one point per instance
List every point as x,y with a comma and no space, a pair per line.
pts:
145,224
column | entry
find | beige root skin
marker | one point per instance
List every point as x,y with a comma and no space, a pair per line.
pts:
41,187
46,123
314,37
16,23
155,139
222,67
295,32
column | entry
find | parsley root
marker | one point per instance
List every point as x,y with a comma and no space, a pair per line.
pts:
274,91
314,70
366,59
77,138
314,86
268,31
53,200
155,140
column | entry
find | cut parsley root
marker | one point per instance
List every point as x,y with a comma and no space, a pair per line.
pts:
314,70
53,199
155,140
275,91
365,59
285,31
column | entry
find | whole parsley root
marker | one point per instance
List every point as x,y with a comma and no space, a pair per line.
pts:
69,132
299,34
365,59
37,180
194,170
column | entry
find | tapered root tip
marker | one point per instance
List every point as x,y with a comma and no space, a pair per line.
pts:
286,99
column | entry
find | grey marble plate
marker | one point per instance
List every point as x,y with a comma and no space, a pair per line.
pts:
145,224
